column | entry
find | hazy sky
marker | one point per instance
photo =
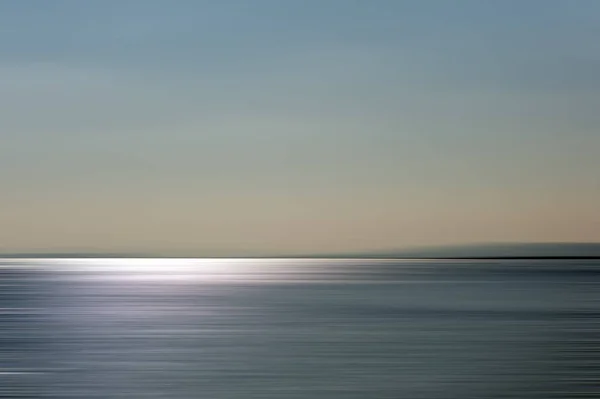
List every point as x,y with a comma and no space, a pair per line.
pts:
274,126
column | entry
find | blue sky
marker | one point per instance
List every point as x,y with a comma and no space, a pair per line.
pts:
274,126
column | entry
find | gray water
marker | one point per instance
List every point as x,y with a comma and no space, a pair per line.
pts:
229,329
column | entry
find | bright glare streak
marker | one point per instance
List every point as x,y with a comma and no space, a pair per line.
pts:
153,268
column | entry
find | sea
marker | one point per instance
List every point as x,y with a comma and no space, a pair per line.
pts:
299,328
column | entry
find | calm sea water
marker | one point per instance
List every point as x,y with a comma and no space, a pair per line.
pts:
229,329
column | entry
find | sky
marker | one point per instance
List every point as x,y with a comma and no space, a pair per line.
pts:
297,126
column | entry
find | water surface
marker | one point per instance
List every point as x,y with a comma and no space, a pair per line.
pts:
229,329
